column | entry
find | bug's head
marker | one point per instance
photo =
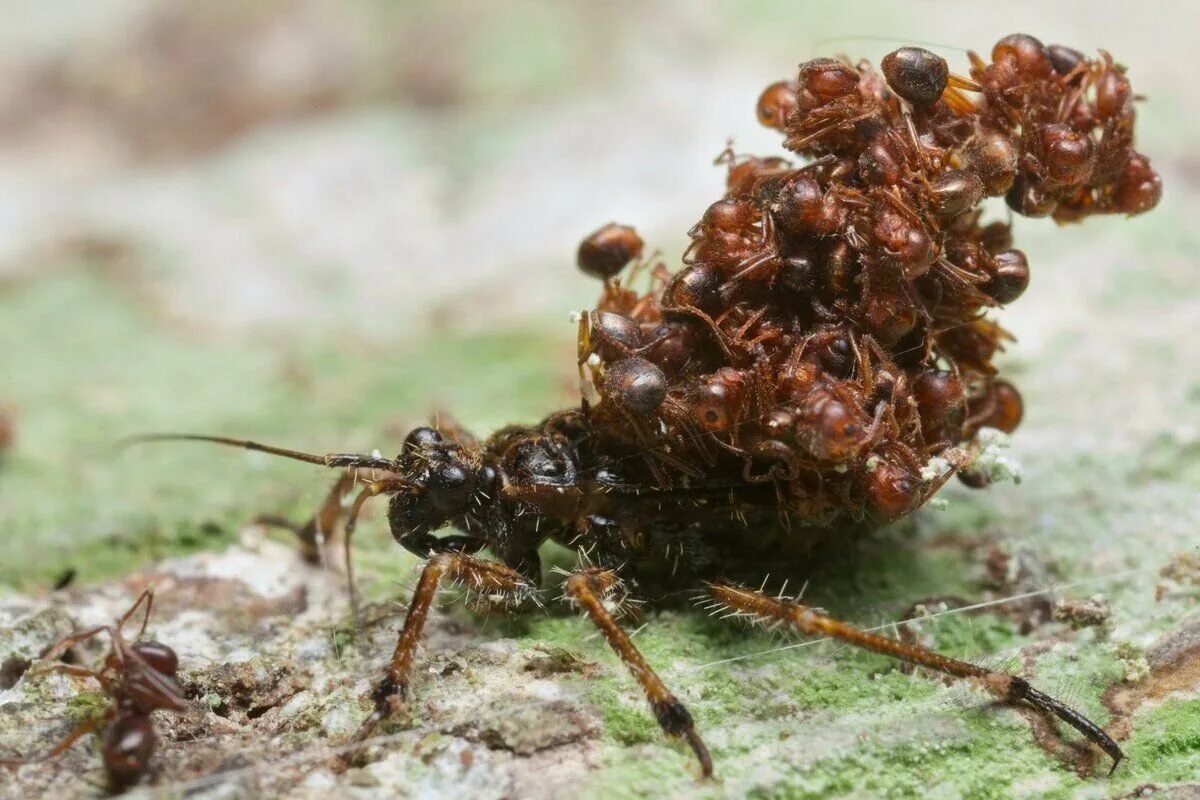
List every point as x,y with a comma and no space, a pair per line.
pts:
445,480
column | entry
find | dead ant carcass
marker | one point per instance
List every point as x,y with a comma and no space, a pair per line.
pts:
821,364
139,678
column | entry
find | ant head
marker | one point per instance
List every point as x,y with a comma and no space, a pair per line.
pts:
446,479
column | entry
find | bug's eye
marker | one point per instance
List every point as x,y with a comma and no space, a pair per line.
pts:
419,438
449,486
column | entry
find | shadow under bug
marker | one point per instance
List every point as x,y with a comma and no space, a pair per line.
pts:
822,363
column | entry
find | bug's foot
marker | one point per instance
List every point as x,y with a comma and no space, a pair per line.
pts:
389,697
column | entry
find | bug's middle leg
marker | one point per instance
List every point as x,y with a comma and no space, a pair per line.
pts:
589,588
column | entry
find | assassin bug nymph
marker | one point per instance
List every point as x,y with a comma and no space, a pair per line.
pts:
821,363
139,678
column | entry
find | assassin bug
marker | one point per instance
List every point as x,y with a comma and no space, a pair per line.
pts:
139,678
822,364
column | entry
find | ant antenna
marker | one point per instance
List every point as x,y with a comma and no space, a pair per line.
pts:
350,460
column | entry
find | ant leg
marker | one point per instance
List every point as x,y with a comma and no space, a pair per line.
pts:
486,578
81,730
321,526
1005,687
146,597
589,588
63,645
74,671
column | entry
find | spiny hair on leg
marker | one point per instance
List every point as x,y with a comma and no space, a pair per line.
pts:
614,593
477,595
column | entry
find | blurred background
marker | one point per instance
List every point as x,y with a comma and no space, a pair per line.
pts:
316,222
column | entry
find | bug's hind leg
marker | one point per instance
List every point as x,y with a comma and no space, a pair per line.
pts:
1002,685
488,580
589,588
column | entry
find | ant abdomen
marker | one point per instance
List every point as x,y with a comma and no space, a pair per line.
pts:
680,345
1009,276
725,236
128,744
916,74
888,314
1030,198
613,336
1114,98
1026,53
609,250
697,286
955,192
635,384
1064,59
998,406
747,173
1139,187
942,403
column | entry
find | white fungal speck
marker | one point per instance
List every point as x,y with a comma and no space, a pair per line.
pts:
990,461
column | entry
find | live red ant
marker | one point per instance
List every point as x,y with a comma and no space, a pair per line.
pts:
822,361
139,678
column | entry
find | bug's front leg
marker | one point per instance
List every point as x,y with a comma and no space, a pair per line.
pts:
488,579
589,588
1002,685
319,529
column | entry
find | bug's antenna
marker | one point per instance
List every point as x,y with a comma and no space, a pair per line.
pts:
352,460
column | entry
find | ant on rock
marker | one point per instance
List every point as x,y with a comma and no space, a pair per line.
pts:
139,679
